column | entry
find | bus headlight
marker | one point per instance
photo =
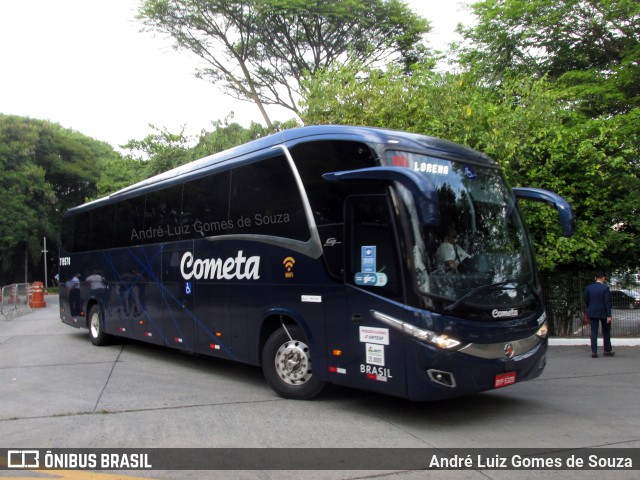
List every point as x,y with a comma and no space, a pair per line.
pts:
427,336
543,331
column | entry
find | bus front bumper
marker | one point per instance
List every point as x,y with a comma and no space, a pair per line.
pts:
474,368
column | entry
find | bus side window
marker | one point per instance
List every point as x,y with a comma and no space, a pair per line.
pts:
205,206
67,233
102,220
370,224
265,200
162,215
327,199
129,223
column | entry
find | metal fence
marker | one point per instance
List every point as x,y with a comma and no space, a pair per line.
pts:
15,300
563,296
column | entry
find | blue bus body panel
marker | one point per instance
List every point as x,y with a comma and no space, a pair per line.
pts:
148,299
218,296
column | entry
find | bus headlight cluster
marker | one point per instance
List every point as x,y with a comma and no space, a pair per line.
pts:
427,336
543,331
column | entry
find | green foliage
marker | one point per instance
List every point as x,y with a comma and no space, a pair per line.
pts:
44,170
591,47
118,173
228,135
524,124
160,151
163,150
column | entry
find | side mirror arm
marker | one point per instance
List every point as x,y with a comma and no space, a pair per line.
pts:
567,219
422,189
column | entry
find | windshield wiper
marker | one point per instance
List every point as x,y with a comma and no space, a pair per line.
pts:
491,286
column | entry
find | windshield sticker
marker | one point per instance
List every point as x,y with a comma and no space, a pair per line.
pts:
469,172
378,279
368,259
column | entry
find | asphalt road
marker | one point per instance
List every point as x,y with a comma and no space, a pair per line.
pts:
59,391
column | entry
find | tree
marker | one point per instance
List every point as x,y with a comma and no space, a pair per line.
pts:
259,50
590,52
159,152
163,150
44,170
230,134
591,46
528,128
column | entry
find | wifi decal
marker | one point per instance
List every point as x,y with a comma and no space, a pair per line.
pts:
288,263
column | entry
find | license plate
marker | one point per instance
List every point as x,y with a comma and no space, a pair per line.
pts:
504,379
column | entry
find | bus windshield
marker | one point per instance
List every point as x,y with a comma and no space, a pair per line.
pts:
478,255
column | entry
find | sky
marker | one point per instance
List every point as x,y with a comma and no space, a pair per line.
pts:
85,65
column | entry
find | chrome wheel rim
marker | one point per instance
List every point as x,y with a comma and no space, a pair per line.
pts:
293,363
95,325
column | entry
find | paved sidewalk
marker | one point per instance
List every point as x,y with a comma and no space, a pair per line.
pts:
59,391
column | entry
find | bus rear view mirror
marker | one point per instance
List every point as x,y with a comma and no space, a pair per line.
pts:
422,189
567,220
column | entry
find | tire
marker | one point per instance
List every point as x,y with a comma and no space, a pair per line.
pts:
96,327
286,363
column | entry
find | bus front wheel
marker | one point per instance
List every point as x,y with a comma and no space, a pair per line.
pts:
96,333
286,363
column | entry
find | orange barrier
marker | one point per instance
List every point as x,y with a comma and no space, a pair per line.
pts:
37,295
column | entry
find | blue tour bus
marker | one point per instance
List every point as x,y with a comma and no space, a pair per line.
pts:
317,254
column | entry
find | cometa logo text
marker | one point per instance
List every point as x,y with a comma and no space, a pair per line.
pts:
238,267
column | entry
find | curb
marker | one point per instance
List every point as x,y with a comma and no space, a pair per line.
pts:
617,342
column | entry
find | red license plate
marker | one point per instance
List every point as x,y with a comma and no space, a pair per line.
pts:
504,379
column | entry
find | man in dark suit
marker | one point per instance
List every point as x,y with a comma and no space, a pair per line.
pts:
598,299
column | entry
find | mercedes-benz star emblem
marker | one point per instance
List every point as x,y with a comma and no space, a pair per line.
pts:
508,350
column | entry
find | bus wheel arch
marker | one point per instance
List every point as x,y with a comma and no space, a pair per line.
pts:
286,360
95,323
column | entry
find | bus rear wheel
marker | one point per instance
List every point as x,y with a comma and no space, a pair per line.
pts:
286,363
96,332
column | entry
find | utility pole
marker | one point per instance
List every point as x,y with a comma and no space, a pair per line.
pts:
46,286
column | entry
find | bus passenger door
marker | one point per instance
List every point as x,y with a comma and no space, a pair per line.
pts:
374,283
178,322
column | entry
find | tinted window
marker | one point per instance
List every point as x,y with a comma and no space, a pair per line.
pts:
129,225
312,159
102,227
265,200
259,198
82,232
373,247
162,215
205,207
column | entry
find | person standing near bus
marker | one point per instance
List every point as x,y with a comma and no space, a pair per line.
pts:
598,300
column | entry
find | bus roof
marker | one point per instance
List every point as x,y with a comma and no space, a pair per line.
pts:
394,138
